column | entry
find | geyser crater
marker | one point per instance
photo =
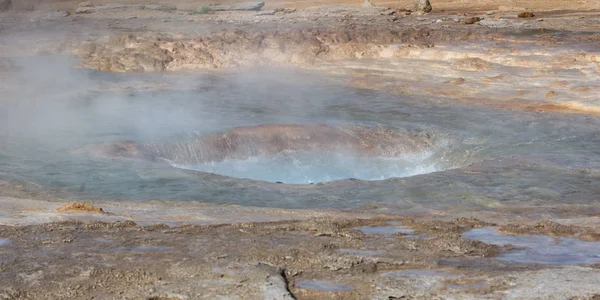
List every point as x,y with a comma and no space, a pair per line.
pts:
313,167
290,153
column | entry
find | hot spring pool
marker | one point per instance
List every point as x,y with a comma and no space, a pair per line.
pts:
306,168
473,155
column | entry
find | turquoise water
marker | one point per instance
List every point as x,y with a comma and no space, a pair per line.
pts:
511,156
307,168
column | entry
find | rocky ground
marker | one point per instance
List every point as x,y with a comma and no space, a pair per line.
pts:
320,255
156,250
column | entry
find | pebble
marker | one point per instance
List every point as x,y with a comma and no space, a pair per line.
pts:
471,20
526,14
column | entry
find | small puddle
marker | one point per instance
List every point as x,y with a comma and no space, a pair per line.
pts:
324,286
539,249
4,242
422,272
386,230
360,252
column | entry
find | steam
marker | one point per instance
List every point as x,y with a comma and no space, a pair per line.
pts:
49,109
49,103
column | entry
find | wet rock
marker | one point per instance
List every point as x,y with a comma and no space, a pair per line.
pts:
239,6
5,5
423,6
80,207
526,14
471,20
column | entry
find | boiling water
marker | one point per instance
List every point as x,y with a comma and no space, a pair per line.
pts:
47,112
306,168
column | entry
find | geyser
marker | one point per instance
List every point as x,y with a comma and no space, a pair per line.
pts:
313,167
290,153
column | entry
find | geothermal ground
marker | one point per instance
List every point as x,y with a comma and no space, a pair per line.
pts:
305,150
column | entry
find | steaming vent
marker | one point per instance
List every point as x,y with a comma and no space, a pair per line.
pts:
298,154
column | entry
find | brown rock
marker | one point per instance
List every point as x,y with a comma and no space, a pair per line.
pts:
80,207
401,12
471,64
471,20
423,6
526,14
85,4
550,94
